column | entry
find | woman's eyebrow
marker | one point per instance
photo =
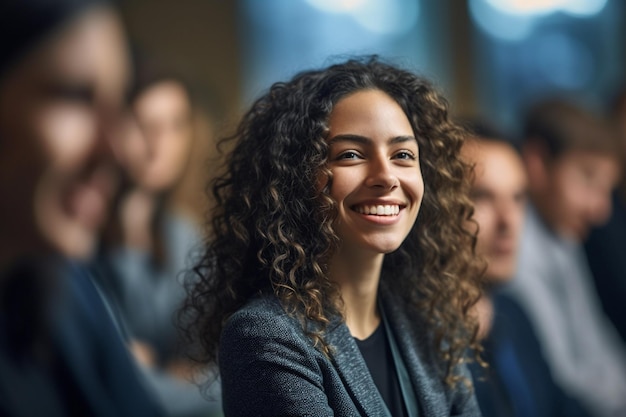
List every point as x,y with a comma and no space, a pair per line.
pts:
365,140
349,138
401,139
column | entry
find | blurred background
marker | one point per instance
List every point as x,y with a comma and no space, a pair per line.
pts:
489,57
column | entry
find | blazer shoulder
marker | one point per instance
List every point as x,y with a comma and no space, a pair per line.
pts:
260,309
262,317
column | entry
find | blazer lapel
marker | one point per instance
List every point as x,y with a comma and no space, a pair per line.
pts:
422,370
352,369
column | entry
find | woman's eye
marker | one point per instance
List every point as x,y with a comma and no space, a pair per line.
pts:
405,155
348,155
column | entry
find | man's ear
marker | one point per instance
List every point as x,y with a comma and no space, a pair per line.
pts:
536,160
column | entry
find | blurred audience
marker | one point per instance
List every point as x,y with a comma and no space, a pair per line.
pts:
606,246
63,74
151,239
517,381
571,160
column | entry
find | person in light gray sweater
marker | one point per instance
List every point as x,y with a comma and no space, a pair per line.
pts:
571,156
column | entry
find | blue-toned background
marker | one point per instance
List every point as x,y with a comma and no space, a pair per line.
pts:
489,57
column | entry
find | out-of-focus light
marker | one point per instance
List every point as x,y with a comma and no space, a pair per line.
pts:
585,7
378,16
388,16
337,6
513,20
499,25
544,7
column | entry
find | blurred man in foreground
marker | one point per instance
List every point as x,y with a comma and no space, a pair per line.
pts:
63,73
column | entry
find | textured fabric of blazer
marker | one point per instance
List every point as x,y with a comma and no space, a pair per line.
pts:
269,367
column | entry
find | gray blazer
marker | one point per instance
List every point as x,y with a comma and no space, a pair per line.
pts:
269,367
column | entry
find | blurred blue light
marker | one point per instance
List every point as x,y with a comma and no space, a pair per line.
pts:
545,7
514,20
377,16
336,6
495,23
585,7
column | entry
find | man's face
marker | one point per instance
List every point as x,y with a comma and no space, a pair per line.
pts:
577,192
499,196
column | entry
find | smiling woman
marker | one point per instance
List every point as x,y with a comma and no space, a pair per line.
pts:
338,276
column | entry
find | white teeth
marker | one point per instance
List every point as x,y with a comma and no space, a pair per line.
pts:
380,210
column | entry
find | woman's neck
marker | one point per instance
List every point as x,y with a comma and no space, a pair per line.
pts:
358,276
136,215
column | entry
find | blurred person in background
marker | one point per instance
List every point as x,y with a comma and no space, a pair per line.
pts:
63,75
150,240
606,246
517,381
571,160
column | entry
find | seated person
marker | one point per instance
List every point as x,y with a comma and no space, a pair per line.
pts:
517,381
339,276
571,160
63,74
606,245
150,238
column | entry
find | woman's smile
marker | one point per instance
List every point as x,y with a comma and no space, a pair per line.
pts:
378,210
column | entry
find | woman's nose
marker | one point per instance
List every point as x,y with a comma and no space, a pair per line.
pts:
381,174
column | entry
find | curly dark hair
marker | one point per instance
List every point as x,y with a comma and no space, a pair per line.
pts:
272,228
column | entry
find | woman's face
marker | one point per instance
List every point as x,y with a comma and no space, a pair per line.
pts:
59,109
163,115
377,181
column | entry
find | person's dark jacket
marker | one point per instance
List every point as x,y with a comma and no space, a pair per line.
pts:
518,382
606,249
60,352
